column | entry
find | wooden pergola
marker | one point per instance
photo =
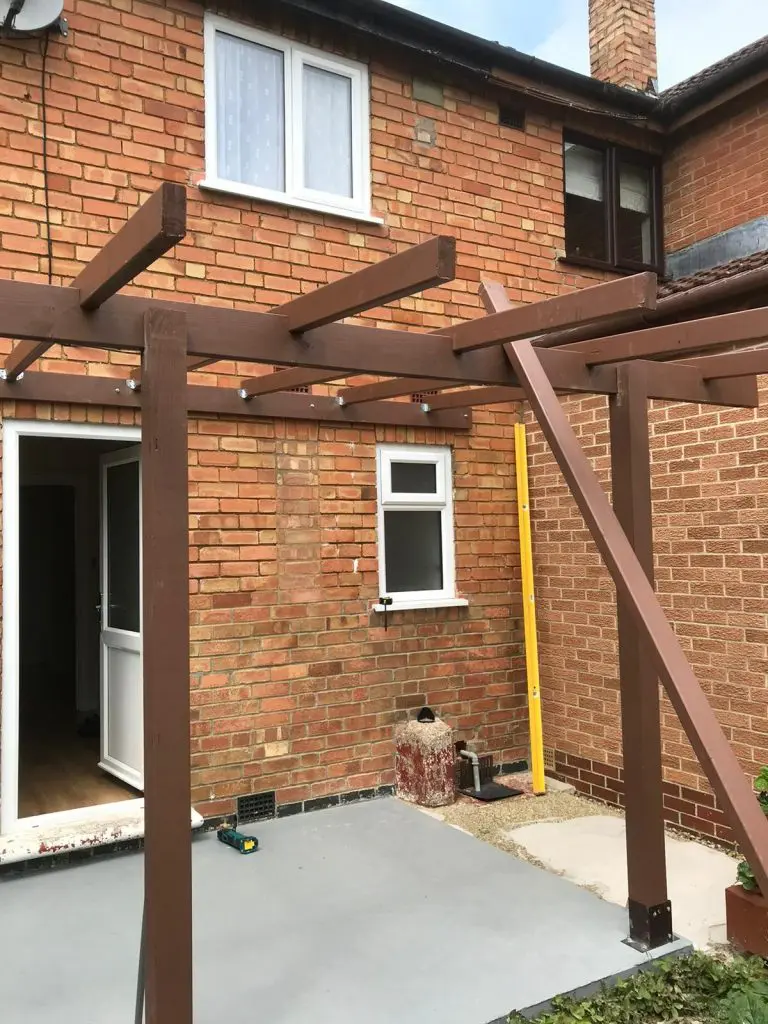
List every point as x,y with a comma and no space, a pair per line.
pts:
612,339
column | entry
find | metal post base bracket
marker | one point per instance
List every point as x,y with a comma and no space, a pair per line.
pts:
649,927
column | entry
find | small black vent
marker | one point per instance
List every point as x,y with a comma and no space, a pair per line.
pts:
304,389
256,807
512,117
422,396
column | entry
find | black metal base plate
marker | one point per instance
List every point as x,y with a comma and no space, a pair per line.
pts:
491,791
649,927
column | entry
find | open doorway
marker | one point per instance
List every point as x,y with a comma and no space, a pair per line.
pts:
78,655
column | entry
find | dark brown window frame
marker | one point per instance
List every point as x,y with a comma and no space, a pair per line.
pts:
614,155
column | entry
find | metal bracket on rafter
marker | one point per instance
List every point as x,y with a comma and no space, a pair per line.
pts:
133,384
10,378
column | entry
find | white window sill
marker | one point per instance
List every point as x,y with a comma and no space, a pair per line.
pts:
438,602
302,204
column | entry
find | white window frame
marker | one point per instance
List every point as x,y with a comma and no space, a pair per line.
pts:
442,500
295,59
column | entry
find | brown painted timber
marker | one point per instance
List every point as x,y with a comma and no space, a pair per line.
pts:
715,755
750,325
470,397
729,364
415,269
650,919
394,388
587,305
152,230
672,381
165,661
283,380
48,311
79,389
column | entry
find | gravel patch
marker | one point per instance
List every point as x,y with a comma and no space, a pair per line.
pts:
489,821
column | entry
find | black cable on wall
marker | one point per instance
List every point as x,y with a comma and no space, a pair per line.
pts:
44,118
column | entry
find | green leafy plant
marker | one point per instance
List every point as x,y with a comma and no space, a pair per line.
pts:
745,876
697,987
748,1006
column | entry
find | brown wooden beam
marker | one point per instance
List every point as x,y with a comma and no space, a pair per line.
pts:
729,364
165,661
715,755
394,388
151,231
748,325
47,311
413,270
79,389
650,914
570,372
587,305
671,381
283,380
416,268
470,397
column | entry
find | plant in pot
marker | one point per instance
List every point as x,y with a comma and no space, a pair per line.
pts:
746,908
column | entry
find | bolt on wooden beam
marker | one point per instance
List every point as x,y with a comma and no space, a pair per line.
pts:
151,231
283,380
707,738
204,400
394,388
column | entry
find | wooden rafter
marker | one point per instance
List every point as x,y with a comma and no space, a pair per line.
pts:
152,230
205,400
729,364
394,388
427,265
587,306
750,325
283,380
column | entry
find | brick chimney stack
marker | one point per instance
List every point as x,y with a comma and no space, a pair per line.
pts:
622,42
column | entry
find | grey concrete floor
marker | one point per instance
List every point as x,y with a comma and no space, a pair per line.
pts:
372,913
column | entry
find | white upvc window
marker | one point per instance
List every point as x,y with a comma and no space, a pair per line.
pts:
415,527
284,122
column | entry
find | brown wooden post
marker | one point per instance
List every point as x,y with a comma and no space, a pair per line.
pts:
164,503
650,913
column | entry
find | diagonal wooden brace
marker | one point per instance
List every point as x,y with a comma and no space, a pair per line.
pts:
698,719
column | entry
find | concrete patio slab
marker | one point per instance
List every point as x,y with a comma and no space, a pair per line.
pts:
592,851
370,912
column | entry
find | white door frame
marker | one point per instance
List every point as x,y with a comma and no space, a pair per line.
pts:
12,432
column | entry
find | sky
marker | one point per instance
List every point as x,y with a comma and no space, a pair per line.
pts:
690,33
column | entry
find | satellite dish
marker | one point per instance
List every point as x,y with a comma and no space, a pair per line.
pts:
28,17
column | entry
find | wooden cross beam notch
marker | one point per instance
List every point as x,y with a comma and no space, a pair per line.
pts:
151,231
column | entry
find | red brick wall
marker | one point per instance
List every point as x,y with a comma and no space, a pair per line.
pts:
295,686
715,176
710,493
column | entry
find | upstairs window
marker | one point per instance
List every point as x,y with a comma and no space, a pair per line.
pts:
283,122
416,553
612,206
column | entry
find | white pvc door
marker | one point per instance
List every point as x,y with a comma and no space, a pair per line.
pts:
122,744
